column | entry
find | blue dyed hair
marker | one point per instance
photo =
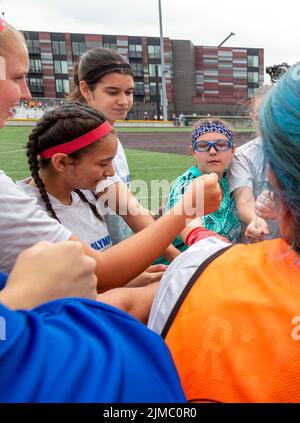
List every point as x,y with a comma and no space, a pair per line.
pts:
280,128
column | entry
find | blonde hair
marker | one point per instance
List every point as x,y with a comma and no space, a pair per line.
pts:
8,36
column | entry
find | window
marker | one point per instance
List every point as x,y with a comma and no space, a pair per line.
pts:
135,51
33,46
138,69
35,84
60,66
200,79
239,62
110,45
154,52
250,92
93,44
78,48
152,70
62,85
223,65
225,55
211,72
240,74
211,92
253,77
153,88
253,61
210,61
138,88
35,66
59,47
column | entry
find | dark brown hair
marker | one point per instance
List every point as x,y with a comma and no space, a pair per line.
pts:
56,127
93,65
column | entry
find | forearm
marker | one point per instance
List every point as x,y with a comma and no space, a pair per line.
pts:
171,253
140,220
18,299
118,265
141,249
135,301
195,223
121,263
245,204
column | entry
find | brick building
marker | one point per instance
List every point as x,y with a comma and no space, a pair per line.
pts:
199,79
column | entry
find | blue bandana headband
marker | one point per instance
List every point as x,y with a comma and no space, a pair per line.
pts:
211,127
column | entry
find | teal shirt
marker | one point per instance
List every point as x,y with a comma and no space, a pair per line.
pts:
224,221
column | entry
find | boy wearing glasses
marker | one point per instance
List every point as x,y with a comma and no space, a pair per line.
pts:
213,149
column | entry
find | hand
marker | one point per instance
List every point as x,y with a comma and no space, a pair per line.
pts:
202,197
256,230
152,274
47,272
265,205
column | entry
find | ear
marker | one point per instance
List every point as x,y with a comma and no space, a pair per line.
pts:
85,91
193,152
60,161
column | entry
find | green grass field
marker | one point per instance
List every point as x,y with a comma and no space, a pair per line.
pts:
169,129
144,166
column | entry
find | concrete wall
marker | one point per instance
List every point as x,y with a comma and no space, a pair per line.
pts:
183,55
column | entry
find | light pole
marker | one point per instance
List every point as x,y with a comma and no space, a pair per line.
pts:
162,59
230,35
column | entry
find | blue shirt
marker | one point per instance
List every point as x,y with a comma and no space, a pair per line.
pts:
76,350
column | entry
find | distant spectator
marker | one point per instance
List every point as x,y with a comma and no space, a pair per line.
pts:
174,119
31,104
181,119
145,115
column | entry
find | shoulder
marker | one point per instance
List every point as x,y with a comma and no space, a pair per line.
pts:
189,175
251,148
58,327
177,276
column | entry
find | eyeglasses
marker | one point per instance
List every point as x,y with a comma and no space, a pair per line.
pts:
219,145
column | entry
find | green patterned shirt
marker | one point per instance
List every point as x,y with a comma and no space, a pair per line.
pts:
224,221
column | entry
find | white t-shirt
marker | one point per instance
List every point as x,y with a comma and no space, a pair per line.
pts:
23,223
77,217
247,169
117,227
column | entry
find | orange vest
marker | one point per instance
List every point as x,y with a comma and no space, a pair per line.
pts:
236,335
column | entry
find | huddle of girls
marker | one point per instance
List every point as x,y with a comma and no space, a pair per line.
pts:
216,326
41,331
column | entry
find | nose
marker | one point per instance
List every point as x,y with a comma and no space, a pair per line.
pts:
25,93
212,150
122,99
109,171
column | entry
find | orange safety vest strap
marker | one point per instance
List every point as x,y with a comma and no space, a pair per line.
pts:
188,287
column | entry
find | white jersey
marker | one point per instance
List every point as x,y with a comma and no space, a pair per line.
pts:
23,223
77,217
117,227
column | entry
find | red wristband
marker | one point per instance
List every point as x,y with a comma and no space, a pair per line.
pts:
197,234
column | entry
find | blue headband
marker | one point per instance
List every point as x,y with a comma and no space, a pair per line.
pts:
211,127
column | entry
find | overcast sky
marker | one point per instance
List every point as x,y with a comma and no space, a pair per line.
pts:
257,23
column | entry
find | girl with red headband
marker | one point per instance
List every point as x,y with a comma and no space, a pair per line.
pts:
70,152
105,81
22,223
